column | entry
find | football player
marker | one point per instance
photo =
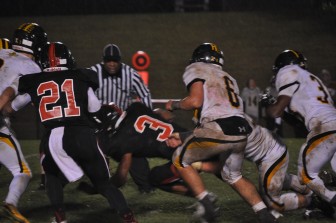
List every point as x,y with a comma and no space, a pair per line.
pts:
142,127
222,131
304,95
26,44
270,155
65,100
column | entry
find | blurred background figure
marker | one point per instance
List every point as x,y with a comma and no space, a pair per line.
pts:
250,95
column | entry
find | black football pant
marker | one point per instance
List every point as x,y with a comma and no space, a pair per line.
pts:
139,170
80,143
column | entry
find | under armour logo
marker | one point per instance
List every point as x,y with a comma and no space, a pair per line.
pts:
241,129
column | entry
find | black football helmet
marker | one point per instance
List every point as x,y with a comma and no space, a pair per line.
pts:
29,38
208,53
55,56
5,43
288,57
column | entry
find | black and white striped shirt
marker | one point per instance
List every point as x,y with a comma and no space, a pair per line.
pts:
122,88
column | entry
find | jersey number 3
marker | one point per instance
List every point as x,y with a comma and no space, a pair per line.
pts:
51,94
154,124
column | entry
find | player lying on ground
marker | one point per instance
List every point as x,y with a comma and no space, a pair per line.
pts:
140,132
272,158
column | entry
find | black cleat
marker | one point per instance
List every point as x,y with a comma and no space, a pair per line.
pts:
265,216
318,207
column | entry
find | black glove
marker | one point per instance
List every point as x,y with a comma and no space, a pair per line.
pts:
266,100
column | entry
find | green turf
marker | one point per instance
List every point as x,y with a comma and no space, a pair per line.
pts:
159,207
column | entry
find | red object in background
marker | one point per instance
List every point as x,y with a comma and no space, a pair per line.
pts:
141,62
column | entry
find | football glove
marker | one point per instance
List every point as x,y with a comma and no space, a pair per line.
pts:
266,100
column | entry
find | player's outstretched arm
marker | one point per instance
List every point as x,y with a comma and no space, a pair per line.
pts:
120,177
6,96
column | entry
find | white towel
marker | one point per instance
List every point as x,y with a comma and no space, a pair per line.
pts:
67,165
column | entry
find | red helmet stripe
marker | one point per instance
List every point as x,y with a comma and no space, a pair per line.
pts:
51,52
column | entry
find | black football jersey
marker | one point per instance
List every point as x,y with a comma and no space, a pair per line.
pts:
142,133
60,97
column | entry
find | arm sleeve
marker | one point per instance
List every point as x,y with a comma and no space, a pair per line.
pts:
20,101
15,85
93,102
287,83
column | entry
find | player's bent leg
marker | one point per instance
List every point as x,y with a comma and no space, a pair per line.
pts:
166,178
54,188
231,173
292,182
314,155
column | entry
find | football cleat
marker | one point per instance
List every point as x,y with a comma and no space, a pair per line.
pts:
206,210
60,216
129,218
313,214
266,217
318,207
11,213
328,178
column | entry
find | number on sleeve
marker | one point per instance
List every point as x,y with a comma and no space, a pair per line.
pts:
324,98
154,124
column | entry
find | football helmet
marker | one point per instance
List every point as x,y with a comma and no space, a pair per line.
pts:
29,38
56,56
5,43
208,53
288,57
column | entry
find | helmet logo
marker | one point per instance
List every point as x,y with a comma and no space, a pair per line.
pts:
295,53
27,27
214,47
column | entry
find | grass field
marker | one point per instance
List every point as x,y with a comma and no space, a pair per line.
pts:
159,207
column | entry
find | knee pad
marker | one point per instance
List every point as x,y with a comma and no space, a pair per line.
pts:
230,177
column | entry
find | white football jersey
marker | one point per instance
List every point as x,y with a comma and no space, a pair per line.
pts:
251,99
12,65
221,92
261,144
310,99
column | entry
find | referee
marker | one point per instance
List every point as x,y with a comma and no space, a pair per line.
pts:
121,84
